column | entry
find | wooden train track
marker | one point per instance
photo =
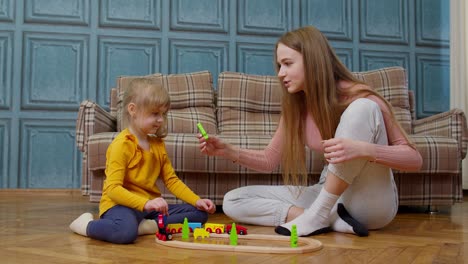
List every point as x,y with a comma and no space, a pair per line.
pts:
246,243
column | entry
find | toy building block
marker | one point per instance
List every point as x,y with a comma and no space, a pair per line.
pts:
193,225
293,238
185,229
200,232
233,235
202,130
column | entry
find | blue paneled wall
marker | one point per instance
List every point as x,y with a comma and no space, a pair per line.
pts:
55,53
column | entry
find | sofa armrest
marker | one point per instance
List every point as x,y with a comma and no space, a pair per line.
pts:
92,119
450,124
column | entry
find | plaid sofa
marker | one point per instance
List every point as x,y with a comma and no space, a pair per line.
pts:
244,110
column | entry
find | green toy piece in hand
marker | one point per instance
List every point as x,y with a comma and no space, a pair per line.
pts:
202,130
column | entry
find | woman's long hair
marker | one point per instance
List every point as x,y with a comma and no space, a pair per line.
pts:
320,98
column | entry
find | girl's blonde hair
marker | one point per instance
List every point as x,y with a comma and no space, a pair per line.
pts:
323,70
147,94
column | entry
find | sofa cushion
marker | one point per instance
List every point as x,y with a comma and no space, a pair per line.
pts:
248,104
192,100
184,152
251,104
440,154
97,148
392,84
92,119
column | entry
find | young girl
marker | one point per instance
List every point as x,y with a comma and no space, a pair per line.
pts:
325,108
136,158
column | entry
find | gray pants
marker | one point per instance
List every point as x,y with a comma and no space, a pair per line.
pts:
371,198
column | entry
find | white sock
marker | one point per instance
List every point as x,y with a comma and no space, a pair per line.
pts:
315,219
147,227
80,224
341,226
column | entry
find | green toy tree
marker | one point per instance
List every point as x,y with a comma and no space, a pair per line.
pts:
185,229
233,235
293,238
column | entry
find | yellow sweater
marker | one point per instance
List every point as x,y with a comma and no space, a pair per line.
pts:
131,174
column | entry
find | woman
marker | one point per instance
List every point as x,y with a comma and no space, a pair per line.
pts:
327,109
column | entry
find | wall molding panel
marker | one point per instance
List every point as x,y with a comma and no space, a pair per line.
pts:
384,21
131,56
201,15
57,12
49,154
7,10
193,56
6,65
269,17
4,152
255,58
433,73
372,59
46,55
130,14
56,53
346,56
432,27
332,17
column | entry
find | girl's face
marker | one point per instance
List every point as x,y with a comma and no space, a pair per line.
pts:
291,68
149,121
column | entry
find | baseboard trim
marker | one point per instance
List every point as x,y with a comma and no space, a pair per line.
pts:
41,191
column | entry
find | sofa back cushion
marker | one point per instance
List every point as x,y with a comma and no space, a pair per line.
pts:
251,104
248,104
392,84
192,100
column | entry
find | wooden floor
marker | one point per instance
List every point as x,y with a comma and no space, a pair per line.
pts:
34,229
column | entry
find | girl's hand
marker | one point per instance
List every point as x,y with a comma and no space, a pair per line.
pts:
212,146
157,204
206,205
338,150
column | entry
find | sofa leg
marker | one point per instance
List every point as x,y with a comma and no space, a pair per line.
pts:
432,209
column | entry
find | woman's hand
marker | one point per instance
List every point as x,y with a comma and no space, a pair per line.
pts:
338,150
206,205
212,146
157,204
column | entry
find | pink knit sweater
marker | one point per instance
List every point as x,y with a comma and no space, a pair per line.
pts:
397,155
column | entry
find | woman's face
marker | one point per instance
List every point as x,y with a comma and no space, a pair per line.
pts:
291,68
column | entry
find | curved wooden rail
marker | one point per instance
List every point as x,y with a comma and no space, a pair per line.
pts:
305,245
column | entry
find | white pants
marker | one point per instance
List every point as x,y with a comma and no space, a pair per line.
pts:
371,198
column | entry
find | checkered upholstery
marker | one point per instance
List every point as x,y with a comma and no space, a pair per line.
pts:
248,104
245,112
192,100
392,84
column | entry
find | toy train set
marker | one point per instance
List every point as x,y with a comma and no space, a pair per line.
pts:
167,230
220,237
209,227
